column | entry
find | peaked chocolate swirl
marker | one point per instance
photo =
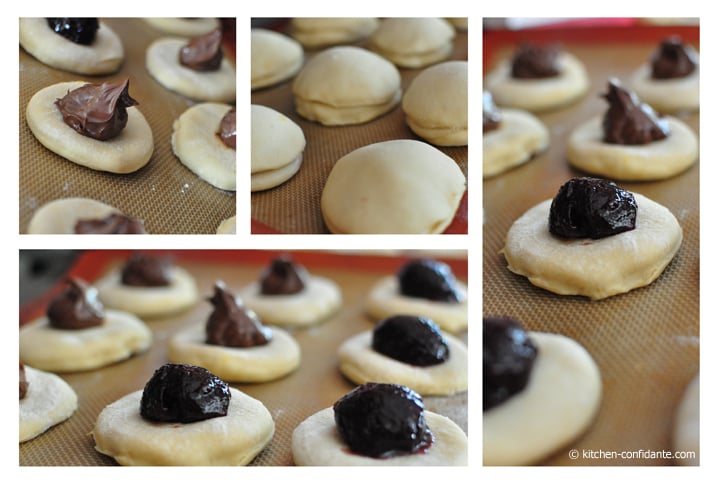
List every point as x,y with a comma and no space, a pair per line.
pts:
535,62
77,307
230,324
628,121
673,59
142,270
283,277
203,53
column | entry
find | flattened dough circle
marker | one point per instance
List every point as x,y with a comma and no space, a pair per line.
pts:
227,226
61,215
49,401
667,95
515,141
274,58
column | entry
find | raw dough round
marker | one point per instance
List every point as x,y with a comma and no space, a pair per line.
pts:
686,433
667,95
276,147
385,300
61,215
123,154
233,440
515,141
397,186
163,64
255,364
413,42
460,23
61,350
314,32
49,401
362,364
187,27
656,160
436,104
594,268
346,85
539,94
148,302
227,226
196,143
320,298
558,403
103,56
274,58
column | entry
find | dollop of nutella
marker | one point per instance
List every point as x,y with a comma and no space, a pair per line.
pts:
78,30
113,224
23,382
144,270
283,277
491,113
673,59
230,324
77,307
228,130
97,111
203,53
535,62
629,121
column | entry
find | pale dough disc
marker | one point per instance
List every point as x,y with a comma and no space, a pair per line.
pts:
61,215
460,23
558,404
126,153
148,302
256,364
118,338
385,300
667,95
196,143
267,179
103,56
316,442
656,160
162,61
314,32
392,187
413,42
320,298
686,432
49,401
227,226
515,141
362,364
186,27
233,440
539,94
594,268
274,58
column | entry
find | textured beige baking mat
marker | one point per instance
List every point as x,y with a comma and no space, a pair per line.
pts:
315,385
168,196
646,342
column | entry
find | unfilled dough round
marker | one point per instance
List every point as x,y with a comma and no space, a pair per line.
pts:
686,431
274,58
397,186
385,300
436,104
49,400
362,364
119,337
187,27
196,143
162,61
413,42
61,215
233,440
103,56
346,85
594,268
125,153
656,160
667,95
515,141
316,442
255,364
558,404
539,94
226,226
314,32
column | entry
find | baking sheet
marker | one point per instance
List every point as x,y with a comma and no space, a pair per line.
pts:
646,342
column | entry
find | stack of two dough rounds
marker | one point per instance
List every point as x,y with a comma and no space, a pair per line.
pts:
277,144
314,32
414,42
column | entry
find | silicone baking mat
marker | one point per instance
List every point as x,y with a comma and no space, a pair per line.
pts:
646,342
170,198
294,207
315,385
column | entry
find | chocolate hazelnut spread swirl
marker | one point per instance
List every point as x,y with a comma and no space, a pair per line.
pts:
628,121
230,324
535,62
77,307
23,382
491,113
142,270
228,130
113,224
97,111
673,59
283,277
203,53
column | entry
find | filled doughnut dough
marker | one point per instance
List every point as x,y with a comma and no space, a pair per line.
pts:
667,95
314,32
515,141
49,401
413,42
61,215
274,58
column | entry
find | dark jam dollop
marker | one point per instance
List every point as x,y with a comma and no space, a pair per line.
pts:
144,270
428,279
383,420
411,339
23,382
587,207
673,59
508,357
491,113
76,307
184,393
203,53
231,324
77,30
629,121
283,277
113,224
228,129
535,62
